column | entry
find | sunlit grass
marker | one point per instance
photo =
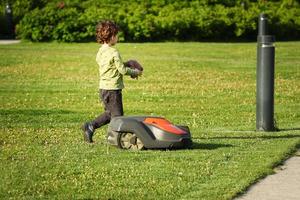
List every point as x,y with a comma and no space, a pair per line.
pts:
49,89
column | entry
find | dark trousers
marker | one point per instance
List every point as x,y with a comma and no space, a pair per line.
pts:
113,107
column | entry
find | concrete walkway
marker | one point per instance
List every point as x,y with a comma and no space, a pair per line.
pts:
283,185
9,41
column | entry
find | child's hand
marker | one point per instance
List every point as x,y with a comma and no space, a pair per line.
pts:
137,73
133,64
137,68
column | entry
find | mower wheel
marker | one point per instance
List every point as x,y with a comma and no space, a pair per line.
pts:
130,141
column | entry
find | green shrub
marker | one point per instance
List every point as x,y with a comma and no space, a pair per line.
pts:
154,20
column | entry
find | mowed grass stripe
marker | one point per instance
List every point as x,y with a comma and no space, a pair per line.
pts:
49,89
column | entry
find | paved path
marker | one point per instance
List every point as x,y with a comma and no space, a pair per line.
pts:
284,185
9,41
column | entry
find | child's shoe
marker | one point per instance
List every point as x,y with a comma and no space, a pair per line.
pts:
88,132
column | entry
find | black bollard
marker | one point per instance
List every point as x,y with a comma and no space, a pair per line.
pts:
265,77
9,21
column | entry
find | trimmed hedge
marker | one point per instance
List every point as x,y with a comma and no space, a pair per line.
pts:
159,20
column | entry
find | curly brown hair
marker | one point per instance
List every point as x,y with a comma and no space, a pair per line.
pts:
105,30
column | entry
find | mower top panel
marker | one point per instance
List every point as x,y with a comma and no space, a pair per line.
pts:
164,125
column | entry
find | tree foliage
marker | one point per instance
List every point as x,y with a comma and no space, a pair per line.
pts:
156,20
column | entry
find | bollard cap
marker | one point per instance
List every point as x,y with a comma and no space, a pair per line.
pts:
263,16
263,24
265,39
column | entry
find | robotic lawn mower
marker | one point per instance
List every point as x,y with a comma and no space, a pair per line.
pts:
144,132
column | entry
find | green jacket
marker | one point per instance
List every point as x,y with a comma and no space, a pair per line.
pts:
111,68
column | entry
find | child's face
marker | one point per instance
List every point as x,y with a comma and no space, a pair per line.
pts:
114,40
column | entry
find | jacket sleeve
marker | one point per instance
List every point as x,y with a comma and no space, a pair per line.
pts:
120,65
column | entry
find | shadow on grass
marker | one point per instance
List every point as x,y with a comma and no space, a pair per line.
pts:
35,111
39,118
209,146
196,145
267,137
290,129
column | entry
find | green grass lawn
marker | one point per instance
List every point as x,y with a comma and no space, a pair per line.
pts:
48,90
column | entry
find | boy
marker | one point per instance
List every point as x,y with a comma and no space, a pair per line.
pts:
112,70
